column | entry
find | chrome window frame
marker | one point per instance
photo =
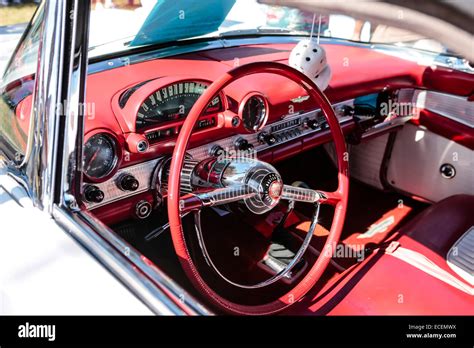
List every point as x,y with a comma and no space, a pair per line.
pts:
51,172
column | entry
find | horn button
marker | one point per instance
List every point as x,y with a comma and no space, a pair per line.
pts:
259,176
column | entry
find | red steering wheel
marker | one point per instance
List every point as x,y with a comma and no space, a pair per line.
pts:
337,198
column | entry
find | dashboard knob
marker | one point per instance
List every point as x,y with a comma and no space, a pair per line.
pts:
267,138
311,123
136,143
348,110
216,151
447,171
143,209
243,144
93,194
128,182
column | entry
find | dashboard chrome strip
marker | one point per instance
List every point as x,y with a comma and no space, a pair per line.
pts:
451,106
143,172
202,152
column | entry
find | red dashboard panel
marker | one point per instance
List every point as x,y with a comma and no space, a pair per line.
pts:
351,77
448,81
356,71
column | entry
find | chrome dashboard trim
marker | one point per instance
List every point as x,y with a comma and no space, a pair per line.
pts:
202,152
143,172
451,106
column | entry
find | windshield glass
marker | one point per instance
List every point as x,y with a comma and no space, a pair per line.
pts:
151,22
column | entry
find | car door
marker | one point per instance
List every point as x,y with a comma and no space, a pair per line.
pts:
44,269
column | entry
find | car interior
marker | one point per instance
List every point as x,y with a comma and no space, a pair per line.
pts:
249,184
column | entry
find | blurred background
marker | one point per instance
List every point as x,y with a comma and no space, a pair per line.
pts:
109,32
15,15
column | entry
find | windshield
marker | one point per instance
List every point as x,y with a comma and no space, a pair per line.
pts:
151,22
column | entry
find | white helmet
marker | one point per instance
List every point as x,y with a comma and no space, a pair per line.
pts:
310,58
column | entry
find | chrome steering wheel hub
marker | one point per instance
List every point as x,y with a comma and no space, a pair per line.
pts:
256,176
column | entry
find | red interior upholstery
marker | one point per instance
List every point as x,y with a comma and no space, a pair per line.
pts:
384,284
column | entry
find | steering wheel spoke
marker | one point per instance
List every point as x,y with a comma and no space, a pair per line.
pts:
330,198
302,194
215,197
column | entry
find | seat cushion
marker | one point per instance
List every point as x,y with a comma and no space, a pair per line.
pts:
441,225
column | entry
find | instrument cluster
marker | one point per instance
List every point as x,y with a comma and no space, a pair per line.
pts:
152,114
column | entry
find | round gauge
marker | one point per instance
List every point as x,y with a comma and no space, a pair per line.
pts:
254,112
100,156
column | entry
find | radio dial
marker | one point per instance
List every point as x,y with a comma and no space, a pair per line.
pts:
311,123
267,138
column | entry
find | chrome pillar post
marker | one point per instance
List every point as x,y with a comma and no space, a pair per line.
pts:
41,155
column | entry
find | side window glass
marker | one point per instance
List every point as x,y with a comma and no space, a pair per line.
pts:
16,91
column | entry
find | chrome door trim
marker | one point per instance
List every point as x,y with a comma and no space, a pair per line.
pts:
40,156
54,159
154,288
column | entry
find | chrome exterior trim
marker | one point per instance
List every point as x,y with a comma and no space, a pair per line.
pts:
65,140
71,160
40,155
154,288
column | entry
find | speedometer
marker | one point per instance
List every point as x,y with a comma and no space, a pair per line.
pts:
173,102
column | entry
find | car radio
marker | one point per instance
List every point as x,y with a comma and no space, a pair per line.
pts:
294,126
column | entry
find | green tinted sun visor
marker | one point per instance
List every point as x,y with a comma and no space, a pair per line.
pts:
172,20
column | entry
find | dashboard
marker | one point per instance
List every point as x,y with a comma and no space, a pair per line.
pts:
143,186
140,109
